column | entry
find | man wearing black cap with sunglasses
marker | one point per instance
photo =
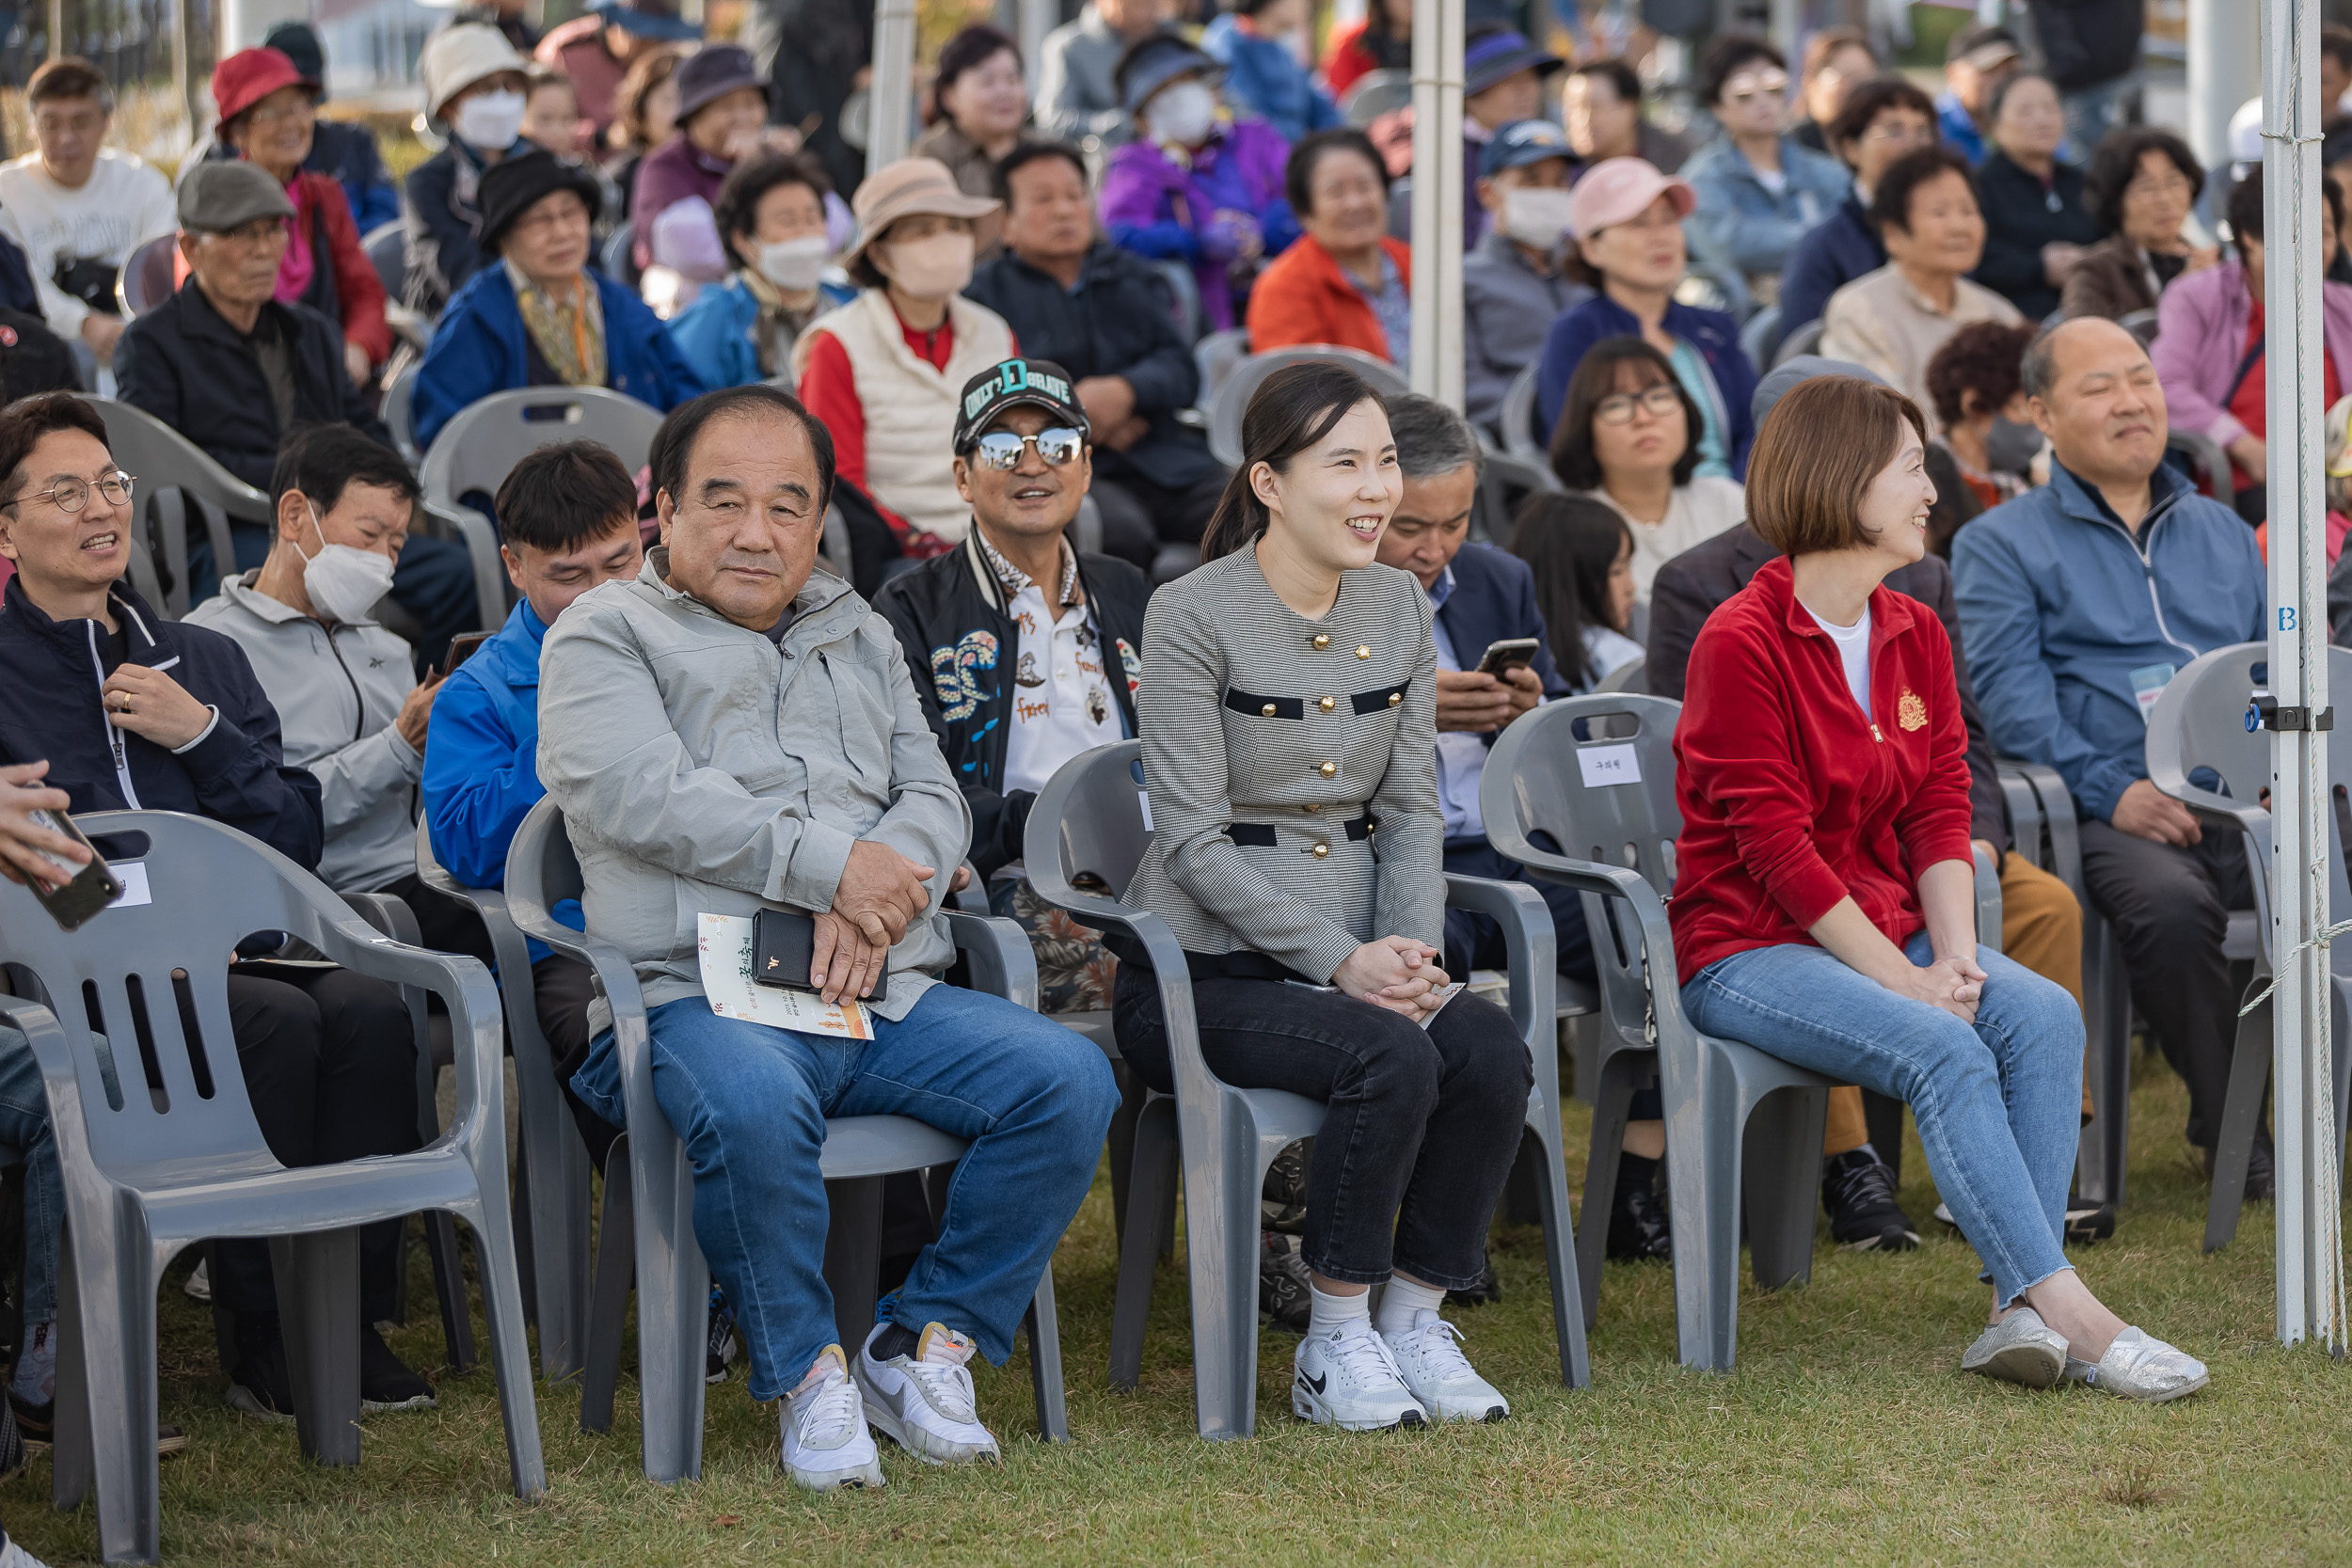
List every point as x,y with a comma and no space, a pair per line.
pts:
1031,647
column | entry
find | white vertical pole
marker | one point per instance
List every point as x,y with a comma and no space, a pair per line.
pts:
1033,20
891,123
2224,70
1435,369
2309,1233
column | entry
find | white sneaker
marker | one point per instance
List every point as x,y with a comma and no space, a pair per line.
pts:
1439,1376
1346,1378
924,1402
825,1441
198,1285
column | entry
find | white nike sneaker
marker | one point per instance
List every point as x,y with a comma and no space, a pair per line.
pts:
825,1441
924,1402
1346,1378
1439,1376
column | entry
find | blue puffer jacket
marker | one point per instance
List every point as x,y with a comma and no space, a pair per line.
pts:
1715,334
235,773
1840,248
482,758
480,347
715,333
1744,227
2067,619
1262,77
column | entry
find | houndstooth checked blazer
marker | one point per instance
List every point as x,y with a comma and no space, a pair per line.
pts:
1291,767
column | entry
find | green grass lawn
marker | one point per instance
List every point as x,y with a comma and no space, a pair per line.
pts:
1847,1434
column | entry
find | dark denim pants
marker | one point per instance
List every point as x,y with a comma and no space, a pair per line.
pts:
1421,1125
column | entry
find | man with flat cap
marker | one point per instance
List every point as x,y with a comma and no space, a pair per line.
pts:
1023,650
2041,925
235,370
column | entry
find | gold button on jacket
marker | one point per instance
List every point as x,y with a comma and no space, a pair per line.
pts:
1320,850
1330,769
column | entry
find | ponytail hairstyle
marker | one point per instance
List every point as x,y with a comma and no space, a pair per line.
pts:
1295,407
1571,543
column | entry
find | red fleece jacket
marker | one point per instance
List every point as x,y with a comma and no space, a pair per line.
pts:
1791,798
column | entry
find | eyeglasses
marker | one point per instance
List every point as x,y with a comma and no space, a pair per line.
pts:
301,108
1002,449
1617,408
1744,90
71,495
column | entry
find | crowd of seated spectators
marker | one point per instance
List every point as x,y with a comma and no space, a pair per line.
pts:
981,354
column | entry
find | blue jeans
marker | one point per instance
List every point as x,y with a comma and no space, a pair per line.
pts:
1999,1105
24,1128
750,1103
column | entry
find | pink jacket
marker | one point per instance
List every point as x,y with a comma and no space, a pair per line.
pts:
2201,341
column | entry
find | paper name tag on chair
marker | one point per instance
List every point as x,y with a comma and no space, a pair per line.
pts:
723,948
133,876
1609,765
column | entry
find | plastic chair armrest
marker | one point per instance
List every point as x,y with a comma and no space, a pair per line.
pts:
1529,944
477,1024
1003,962
481,544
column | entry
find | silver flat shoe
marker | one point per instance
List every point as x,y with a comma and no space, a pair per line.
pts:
2021,1348
2139,1367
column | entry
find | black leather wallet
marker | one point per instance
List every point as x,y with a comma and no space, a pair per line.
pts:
784,944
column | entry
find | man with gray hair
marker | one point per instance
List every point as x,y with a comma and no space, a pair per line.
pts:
1482,595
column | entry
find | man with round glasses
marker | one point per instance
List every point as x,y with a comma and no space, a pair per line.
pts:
1030,646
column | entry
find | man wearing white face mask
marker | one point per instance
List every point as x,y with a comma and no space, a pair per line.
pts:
772,215
351,710
883,372
475,89
1514,285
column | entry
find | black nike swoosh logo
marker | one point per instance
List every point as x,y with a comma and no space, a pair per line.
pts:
1314,1383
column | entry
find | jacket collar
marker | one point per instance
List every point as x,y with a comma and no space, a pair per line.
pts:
2079,500
201,321
240,590
1776,580
818,614
141,622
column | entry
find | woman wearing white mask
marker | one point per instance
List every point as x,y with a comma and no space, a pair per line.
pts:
1524,272
474,89
1196,185
772,214
883,372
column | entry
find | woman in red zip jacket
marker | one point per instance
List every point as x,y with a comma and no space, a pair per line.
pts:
1822,909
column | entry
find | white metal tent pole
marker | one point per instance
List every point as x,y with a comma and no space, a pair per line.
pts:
2224,70
890,123
1033,20
1435,369
2309,1251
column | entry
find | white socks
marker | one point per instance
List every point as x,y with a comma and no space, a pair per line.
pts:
1328,1313
1402,1301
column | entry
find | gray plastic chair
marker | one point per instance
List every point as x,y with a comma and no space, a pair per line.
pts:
619,255
649,1192
144,279
2209,465
398,408
1517,419
553,1185
1183,291
1375,93
175,475
1805,338
475,449
1089,819
387,247
2141,324
1232,398
1739,1122
179,1157
2042,821
1215,356
1626,678
2198,723
1760,336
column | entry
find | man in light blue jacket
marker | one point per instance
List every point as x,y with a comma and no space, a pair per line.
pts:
2078,602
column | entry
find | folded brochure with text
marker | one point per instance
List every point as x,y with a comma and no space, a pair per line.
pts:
722,946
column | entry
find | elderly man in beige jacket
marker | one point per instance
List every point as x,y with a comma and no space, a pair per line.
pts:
733,733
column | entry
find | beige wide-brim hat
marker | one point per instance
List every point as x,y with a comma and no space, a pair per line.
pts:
904,189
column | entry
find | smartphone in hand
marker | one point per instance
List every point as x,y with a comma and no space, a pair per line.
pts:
1506,654
94,886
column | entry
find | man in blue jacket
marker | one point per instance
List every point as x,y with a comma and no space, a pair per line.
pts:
529,320
116,707
567,517
2078,601
1881,121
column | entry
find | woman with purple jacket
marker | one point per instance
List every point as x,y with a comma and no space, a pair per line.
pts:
1195,185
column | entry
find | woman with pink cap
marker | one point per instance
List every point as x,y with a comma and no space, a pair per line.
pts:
267,108
1628,220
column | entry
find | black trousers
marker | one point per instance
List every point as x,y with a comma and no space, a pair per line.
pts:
562,988
330,1066
1474,942
1421,1126
2171,906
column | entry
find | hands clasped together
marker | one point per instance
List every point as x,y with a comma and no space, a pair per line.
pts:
1395,972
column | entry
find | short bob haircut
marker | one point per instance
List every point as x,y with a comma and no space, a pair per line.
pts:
562,496
1728,53
1813,462
748,184
1574,458
1867,101
1983,357
1890,204
2116,165
1298,175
